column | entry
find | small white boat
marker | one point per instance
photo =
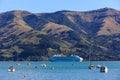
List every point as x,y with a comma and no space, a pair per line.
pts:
104,69
11,69
18,64
43,65
91,66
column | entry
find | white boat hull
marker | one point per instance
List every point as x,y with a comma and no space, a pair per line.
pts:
104,69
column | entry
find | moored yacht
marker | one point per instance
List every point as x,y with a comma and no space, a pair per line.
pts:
11,69
64,58
91,66
104,69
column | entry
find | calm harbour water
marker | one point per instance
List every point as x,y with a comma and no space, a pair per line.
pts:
59,71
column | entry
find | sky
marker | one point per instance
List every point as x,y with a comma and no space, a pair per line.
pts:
41,6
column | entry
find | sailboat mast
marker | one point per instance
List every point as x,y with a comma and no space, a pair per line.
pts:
91,66
90,52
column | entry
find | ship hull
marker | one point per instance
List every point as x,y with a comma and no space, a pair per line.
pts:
65,59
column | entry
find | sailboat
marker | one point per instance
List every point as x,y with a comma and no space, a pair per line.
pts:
91,66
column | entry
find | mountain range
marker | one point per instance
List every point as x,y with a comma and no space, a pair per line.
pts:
26,36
